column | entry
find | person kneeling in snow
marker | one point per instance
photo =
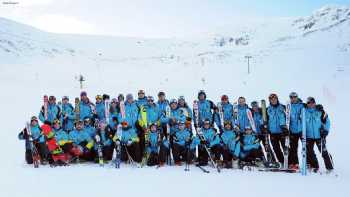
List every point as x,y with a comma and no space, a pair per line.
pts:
230,145
83,141
130,143
251,152
105,134
181,146
156,147
209,140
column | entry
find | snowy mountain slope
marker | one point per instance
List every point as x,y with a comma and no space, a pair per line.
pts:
286,58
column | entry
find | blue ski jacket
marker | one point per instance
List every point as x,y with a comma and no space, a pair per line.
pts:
249,143
314,123
228,140
100,111
295,125
276,118
243,120
205,108
85,110
182,136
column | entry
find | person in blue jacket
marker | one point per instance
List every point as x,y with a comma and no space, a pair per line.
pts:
53,111
251,151
317,129
243,120
67,115
100,114
276,125
86,107
104,135
181,145
230,145
156,147
83,141
295,129
206,109
130,143
38,140
207,137
142,99
227,109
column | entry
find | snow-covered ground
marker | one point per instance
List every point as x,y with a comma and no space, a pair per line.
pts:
309,55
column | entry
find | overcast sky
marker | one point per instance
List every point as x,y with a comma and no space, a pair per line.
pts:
149,18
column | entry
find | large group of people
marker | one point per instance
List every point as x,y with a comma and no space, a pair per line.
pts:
171,132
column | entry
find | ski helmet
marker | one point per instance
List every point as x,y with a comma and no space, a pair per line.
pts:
161,93
173,101
293,94
181,98
129,97
65,98
224,98
254,104
98,97
273,96
34,118
202,92
83,93
105,96
310,100
150,98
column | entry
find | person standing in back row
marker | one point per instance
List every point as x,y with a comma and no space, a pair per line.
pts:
317,129
277,125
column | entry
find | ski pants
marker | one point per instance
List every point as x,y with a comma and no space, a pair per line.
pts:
133,150
253,154
182,153
108,152
311,156
203,155
157,158
293,151
278,140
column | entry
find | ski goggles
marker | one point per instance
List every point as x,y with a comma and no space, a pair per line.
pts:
273,96
98,97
